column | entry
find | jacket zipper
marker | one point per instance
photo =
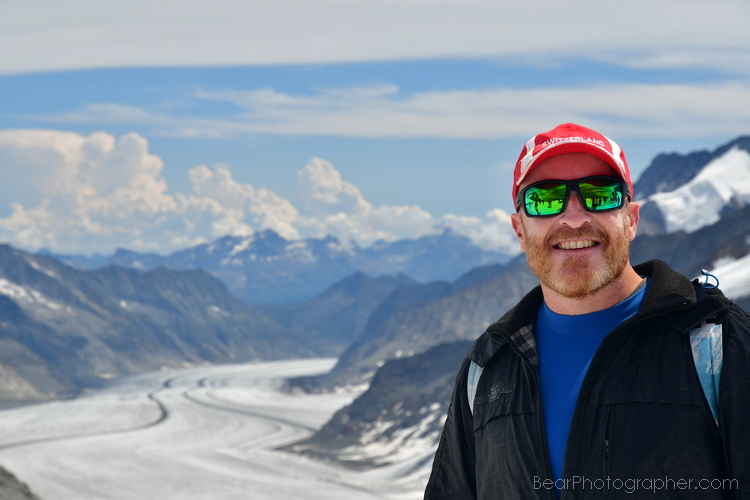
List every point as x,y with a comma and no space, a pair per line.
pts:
594,364
605,439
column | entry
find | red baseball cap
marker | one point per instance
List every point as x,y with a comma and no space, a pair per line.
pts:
569,138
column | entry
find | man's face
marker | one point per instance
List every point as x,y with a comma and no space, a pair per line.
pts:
552,243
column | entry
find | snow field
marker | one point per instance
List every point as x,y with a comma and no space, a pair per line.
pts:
197,433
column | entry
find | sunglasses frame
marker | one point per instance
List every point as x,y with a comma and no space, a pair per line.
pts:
573,185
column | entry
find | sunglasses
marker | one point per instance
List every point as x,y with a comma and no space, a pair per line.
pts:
596,194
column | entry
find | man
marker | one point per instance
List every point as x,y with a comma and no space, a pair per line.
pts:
607,380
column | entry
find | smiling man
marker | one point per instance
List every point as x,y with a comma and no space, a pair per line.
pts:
607,379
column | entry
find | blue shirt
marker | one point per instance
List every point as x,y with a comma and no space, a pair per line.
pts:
566,345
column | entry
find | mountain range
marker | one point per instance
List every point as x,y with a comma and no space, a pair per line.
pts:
63,329
265,268
337,317
399,316
415,318
429,335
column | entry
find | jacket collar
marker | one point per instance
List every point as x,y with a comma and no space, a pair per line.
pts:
668,290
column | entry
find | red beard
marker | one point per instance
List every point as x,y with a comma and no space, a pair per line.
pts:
578,277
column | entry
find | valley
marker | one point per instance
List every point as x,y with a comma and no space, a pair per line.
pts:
196,433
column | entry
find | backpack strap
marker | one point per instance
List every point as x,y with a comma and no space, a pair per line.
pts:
708,356
475,371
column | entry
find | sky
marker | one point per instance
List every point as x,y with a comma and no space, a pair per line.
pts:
155,126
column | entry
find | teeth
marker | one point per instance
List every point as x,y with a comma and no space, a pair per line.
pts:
575,245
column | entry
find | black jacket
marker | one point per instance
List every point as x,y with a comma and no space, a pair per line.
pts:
642,427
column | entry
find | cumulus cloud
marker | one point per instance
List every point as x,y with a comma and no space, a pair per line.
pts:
492,233
62,187
336,207
71,193
324,192
238,208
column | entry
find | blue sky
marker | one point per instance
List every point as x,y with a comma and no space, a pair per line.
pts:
155,126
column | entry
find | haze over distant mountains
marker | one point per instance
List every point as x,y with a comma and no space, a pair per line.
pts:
268,269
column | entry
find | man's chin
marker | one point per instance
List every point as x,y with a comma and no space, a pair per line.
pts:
577,288
576,277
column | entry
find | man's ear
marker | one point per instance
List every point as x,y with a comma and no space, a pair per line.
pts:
634,215
515,221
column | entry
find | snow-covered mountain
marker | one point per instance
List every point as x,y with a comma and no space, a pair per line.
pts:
701,196
62,330
399,419
707,211
265,268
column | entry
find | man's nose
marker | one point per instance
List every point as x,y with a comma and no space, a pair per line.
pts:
574,214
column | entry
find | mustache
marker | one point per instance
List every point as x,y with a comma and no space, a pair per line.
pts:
584,232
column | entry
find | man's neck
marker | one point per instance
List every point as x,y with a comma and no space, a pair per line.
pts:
606,297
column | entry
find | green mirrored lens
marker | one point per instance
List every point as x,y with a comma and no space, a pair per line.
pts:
600,195
545,198
549,198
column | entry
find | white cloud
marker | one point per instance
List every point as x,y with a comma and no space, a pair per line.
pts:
337,207
73,193
632,109
622,109
240,208
63,186
493,233
403,219
323,191
230,32
81,194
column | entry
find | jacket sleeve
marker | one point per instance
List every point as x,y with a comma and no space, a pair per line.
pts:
453,470
734,402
